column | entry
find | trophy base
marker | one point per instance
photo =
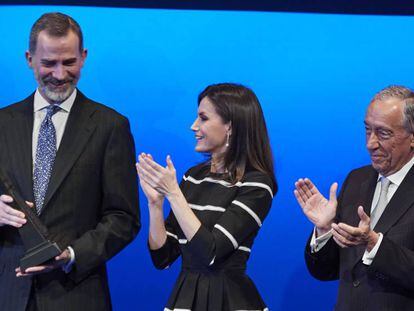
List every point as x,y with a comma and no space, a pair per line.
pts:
39,254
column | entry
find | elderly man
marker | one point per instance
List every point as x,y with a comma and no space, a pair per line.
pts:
74,158
365,238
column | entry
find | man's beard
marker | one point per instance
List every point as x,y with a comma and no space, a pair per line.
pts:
57,96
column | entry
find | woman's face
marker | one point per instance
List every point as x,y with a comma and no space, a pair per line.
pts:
209,129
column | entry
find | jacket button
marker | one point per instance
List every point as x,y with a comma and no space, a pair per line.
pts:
356,283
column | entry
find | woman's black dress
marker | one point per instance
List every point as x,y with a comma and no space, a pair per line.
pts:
213,274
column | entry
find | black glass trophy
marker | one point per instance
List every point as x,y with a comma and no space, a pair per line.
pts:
34,234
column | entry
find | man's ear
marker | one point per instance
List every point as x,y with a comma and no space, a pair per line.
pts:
84,54
28,56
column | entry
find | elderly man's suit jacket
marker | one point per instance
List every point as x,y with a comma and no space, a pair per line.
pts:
91,204
388,283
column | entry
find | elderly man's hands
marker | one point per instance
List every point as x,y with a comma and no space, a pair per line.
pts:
319,210
348,236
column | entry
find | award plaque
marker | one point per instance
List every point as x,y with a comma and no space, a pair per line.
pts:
33,233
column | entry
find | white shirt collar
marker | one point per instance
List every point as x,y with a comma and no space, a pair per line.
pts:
41,103
398,176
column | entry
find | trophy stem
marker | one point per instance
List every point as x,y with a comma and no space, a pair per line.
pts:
33,233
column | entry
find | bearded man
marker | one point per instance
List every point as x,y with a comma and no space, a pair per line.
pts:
74,159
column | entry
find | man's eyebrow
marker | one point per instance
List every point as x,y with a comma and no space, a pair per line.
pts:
70,60
45,60
50,61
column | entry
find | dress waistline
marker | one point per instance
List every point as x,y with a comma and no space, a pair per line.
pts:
206,270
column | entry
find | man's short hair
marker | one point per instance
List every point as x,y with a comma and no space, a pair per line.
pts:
404,94
56,25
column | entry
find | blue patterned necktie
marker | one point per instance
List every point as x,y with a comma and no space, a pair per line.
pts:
45,157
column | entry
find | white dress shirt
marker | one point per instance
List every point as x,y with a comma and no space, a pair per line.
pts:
396,179
59,120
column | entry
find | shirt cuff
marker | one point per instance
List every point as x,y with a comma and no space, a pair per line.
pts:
68,266
317,243
369,256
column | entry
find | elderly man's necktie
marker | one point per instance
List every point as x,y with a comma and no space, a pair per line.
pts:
45,157
382,202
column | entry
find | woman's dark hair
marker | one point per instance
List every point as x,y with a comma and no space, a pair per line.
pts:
249,146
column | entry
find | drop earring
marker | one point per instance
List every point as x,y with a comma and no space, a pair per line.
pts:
228,139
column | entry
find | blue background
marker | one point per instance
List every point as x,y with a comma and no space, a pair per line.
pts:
313,73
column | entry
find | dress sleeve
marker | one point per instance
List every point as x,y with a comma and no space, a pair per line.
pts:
243,218
164,256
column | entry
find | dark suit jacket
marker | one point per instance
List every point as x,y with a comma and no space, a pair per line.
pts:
388,283
91,204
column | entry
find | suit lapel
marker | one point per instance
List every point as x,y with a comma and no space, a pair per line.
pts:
79,128
401,201
367,191
18,135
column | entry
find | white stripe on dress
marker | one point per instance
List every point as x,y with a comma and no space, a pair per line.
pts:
181,241
245,249
228,235
248,210
227,184
207,208
208,179
172,235
257,184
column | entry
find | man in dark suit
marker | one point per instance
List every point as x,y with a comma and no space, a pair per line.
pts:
365,238
75,159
